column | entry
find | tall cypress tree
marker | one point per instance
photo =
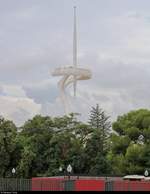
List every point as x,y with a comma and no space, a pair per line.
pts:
96,146
100,121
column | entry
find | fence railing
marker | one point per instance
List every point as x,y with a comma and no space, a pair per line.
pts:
13,184
80,184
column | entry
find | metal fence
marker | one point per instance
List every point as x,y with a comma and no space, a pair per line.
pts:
117,185
63,184
13,184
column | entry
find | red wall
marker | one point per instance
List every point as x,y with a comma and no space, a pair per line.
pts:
47,184
58,184
131,186
89,185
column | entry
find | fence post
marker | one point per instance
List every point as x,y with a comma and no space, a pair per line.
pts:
108,185
69,185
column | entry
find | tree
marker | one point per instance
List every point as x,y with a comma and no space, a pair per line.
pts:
119,144
37,125
48,143
8,147
100,121
95,159
25,167
64,149
96,144
134,158
34,140
127,144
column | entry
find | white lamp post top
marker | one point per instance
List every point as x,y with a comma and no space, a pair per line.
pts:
146,173
60,169
141,137
13,170
69,168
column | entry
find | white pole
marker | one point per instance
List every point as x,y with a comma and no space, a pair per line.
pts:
75,50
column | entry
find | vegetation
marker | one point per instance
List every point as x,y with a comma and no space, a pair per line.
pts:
130,145
43,144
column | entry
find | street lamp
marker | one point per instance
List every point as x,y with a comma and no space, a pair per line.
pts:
69,170
141,139
146,173
60,170
13,171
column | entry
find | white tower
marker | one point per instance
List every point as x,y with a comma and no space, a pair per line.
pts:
72,73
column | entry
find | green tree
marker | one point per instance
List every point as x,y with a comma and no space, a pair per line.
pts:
25,167
100,121
97,142
37,125
8,147
65,149
127,144
34,142
134,158
47,143
95,159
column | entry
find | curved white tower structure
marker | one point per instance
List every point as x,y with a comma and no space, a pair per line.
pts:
71,74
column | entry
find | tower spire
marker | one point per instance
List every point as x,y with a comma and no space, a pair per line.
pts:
71,74
75,50
75,40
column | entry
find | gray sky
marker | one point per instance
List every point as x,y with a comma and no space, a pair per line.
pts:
36,37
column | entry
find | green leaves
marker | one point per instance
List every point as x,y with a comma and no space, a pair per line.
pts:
133,133
128,144
44,144
25,165
8,133
97,144
120,144
98,119
134,153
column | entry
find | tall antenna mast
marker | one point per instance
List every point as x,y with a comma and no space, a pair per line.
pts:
75,40
71,74
75,50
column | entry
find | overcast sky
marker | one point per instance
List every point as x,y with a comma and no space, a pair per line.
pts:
36,37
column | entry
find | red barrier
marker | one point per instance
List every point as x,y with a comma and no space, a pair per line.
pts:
140,186
121,185
131,186
60,184
47,184
89,185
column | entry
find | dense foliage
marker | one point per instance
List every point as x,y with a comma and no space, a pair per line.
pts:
130,145
43,144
